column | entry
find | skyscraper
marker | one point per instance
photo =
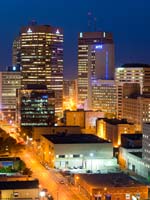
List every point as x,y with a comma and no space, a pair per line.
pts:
39,49
95,61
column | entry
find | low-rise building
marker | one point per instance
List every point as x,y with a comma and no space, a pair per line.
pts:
84,151
19,189
146,143
114,186
85,119
130,155
111,129
136,110
38,131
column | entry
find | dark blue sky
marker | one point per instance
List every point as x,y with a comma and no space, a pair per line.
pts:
129,20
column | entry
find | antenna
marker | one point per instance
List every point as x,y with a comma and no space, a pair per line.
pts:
89,21
33,22
95,21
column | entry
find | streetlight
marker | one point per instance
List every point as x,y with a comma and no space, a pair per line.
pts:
91,155
42,194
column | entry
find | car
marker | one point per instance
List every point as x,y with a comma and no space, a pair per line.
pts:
50,197
61,182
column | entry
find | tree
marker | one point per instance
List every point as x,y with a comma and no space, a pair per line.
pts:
27,171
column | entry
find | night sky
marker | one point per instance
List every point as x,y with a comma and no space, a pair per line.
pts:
128,20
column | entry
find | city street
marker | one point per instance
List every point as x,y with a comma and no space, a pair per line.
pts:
52,180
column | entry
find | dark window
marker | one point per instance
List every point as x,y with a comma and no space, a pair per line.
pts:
76,156
98,197
108,197
61,156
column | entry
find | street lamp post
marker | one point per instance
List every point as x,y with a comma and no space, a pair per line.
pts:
91,155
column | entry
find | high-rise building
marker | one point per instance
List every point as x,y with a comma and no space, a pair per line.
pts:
95,61
131,73
10,81
104,97
36,106
39,51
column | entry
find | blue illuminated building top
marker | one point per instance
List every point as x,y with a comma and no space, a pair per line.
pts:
14,68
99,46
45,97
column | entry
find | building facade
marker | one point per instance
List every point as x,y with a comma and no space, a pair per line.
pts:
87,152
104,97
19,189
136,109
85,119
39,51
146,143
131,73
111,129
114,186
10,81
70,94
95,61
36,107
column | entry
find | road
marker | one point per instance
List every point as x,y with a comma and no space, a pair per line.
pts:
50,179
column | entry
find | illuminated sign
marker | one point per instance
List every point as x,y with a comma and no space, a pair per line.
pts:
57,31
29,30
14,68
100,46
81,35
44,96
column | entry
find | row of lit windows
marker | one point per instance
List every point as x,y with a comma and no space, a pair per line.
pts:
70,156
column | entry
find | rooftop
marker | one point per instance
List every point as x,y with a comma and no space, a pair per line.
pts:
138,154
74,139
8,185
135,65
109,180
115,121
135,136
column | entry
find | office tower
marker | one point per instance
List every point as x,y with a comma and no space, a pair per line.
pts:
36,106
131,73
104,97
10,81
95,61
40,50
70,94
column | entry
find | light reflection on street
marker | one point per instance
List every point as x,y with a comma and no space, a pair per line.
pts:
50,179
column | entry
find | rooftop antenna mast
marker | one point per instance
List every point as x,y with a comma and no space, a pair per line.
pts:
95,23
89,21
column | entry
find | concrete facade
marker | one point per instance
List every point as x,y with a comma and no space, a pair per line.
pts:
76,151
